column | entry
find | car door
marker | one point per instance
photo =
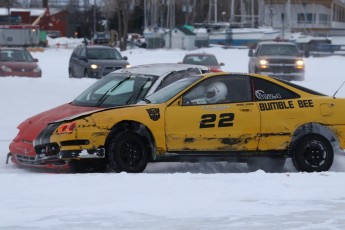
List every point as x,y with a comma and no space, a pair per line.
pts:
197,123
81,62
73,62
280,110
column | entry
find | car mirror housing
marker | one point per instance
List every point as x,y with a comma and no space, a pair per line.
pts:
83,58
125,58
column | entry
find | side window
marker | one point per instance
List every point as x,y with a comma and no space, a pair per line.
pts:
175,76
265,90
82,52
220,90
76,52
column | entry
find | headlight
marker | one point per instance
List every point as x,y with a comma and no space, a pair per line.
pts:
37,69
128,66
66,128
263,64
94,66
300,64
6,69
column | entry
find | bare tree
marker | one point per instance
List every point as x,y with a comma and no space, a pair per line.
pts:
120,10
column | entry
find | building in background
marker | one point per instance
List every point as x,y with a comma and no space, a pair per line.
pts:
313,17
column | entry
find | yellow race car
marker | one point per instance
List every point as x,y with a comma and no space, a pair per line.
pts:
211,117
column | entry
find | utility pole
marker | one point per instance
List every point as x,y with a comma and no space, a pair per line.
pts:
94,19
8,4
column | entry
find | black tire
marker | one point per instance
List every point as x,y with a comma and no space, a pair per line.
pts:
87,166
267,164
313,153
127,152
86,74
70,73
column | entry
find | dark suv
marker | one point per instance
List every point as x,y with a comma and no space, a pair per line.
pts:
95,61
282,60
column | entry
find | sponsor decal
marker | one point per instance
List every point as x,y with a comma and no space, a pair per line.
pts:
278,105
215,107
261,95
154,114
214,120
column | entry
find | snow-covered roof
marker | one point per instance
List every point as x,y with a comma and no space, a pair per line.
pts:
33,11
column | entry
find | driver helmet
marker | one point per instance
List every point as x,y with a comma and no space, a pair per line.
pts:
216,92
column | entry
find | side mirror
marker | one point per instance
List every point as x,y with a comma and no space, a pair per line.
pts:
250,53
125,58
221,64
83,58
35,60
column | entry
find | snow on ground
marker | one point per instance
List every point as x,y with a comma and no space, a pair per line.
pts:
167,195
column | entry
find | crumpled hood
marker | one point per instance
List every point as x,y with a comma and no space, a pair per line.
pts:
31,127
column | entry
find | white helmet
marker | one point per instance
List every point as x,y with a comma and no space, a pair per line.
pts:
216,92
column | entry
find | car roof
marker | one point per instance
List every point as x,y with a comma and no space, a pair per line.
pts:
159,69
275,43
99,47
199,54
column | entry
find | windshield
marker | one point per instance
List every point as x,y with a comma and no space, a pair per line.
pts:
278,49
103,54
207,60
15,55
116,89
171,90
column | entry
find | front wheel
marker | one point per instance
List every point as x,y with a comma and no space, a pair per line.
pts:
86,74
127,152
70,73
313,153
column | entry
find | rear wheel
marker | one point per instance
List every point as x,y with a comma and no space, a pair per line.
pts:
313,153
86,73
70,73
127,152
267,164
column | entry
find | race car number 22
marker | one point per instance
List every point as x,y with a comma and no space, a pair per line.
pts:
211,120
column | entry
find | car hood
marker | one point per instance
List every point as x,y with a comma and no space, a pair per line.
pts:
31,127
109,62
280,57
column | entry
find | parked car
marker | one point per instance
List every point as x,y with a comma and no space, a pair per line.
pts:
95,61
282,60
121,87
18,62
204,59
212,117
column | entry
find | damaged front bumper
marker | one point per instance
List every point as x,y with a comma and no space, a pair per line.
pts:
36,162
67,155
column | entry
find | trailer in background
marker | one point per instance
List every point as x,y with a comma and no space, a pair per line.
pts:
19,35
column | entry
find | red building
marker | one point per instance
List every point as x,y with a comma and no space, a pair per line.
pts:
48,19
